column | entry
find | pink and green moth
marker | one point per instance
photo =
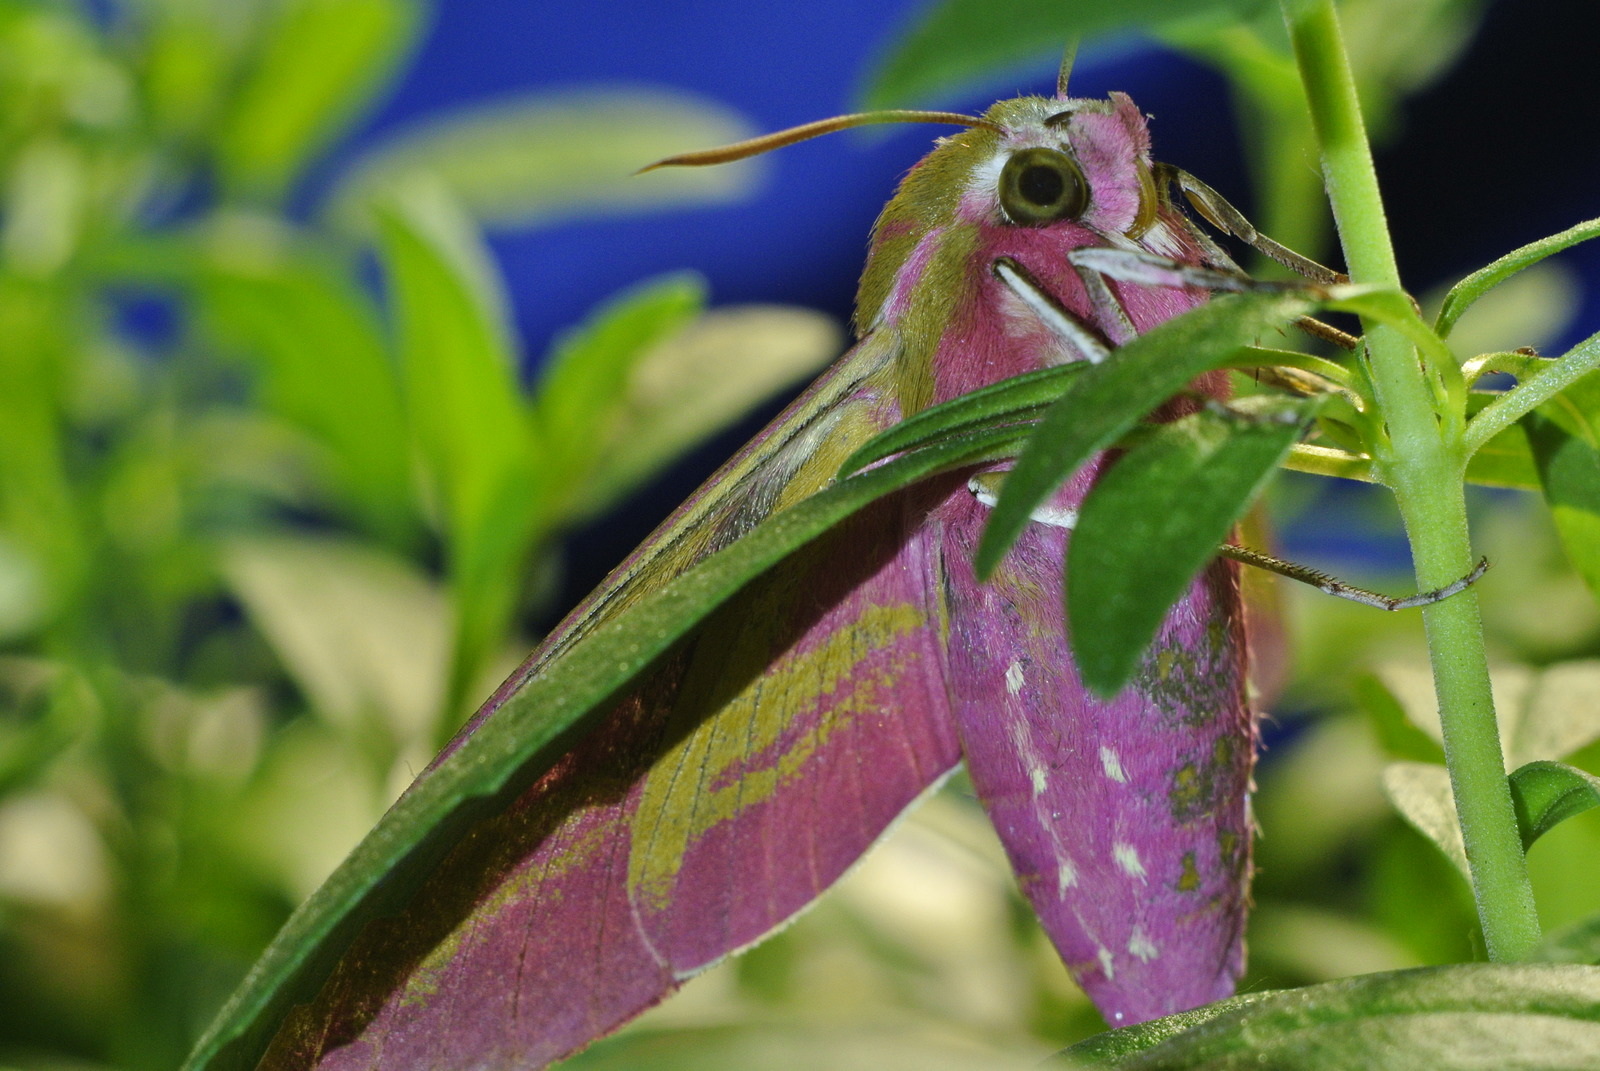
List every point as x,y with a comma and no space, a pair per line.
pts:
757,761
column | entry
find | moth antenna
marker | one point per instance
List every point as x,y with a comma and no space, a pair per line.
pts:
740,150
1064,72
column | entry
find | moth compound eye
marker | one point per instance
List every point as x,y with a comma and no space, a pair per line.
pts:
1039,186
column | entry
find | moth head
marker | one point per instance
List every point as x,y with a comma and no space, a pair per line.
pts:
1035,162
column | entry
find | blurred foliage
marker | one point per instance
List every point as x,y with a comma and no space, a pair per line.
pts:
266,535
265,528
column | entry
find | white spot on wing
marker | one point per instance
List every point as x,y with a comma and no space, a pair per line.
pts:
1127,857
1013,676
1066,877
1106,966
1113,766
1141,946
1038,775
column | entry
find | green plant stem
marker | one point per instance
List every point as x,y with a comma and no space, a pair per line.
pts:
1423,461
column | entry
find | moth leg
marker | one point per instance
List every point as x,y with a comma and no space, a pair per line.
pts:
985,487
1061,322
1220,214
1339,589
1151,269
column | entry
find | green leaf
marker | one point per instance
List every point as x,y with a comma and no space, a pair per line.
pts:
1480,282
960,42
1154,519
1111,397
699,381
1017,399
459,370
322,62
1547,793
581,394
1569,473
1519,1017
527,734
525,159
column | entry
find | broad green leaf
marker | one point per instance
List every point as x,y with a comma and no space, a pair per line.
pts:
1466,1016
530,158
322,62
1154,519
1547,793
527,734
1569,472
700,380
1018,399
1421,792
960,42
1480,282
1111,397
459,370
324,362
580,397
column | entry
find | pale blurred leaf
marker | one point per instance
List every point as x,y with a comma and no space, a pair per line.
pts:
529,158
1532,308
581,400
1562,715
362,632
1421,792
310,803
703,379
1320,944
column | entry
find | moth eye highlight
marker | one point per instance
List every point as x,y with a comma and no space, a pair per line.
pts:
1039,186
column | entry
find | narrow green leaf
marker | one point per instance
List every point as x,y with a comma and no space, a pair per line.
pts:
1521,1017
1569,473
1154,519
1020,397
582,393
960,42
322,62
1480,282
531,158
1547,793
459,370
1111,397
526,735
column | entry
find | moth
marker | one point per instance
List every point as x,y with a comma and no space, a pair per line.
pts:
765,753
